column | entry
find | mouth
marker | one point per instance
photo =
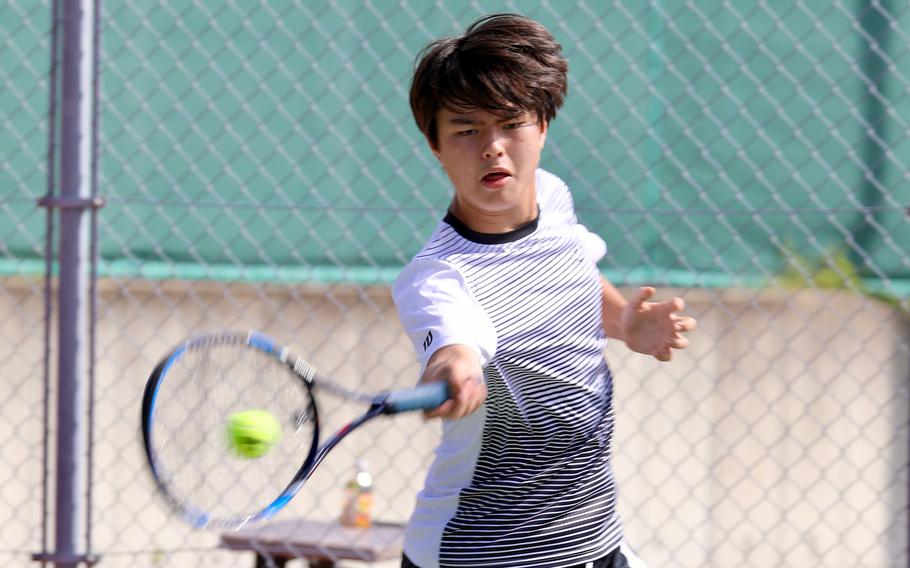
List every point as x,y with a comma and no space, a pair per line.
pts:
495,178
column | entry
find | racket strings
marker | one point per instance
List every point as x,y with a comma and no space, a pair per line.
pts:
333,388
203,388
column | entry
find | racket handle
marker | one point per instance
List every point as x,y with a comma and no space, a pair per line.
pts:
424,397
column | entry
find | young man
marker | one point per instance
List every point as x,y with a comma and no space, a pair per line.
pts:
505,304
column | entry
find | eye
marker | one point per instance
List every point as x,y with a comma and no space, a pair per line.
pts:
513,125
467,132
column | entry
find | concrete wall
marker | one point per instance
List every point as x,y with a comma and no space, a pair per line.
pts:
779,438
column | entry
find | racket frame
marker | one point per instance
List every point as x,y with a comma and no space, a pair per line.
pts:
426,396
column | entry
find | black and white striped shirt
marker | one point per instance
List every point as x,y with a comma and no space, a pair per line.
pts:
526,479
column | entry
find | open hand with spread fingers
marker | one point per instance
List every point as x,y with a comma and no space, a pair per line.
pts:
655,328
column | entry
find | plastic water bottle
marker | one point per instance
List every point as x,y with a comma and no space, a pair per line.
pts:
358,506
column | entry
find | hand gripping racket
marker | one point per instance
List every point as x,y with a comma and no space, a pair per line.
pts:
195,391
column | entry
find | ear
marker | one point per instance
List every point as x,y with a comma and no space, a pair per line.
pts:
435,149
544,125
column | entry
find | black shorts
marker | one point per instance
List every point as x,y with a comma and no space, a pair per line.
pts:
613,560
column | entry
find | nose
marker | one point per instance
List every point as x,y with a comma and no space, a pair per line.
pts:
493,149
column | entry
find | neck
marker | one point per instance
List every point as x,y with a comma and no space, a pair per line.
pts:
495,222
491,238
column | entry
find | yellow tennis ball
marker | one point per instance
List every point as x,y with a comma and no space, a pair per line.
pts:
252,433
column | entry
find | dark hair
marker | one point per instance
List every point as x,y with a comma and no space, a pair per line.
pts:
503,63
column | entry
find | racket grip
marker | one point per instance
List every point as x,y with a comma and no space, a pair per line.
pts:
424,397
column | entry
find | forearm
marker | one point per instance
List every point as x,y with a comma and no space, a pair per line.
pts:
612,306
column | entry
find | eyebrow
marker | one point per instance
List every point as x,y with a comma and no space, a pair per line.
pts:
461,119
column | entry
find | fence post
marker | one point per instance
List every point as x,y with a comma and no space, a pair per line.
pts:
74,203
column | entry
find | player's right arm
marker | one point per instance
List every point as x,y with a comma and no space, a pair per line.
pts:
453,337
459,366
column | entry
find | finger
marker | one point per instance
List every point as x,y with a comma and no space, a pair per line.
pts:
472,400
679,342
644,293
685,324
468,398
678,304
670,308
664,355
440,411
465,407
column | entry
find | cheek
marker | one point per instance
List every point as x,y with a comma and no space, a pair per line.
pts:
527,150
457,156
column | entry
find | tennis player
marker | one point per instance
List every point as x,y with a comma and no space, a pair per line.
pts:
506,304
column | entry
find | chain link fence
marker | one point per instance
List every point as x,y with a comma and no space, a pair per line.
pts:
24,60
261,170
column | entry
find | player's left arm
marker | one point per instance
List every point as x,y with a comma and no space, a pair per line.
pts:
651,328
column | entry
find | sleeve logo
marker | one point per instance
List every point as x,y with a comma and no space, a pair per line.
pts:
428,340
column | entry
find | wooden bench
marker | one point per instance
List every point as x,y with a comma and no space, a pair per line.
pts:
319,543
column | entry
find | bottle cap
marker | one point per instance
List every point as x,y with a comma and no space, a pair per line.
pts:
364,479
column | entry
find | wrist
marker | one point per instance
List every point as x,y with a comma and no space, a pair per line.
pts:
614,326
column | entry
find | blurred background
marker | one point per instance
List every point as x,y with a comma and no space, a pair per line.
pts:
180,166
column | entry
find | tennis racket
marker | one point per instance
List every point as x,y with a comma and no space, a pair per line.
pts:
189,399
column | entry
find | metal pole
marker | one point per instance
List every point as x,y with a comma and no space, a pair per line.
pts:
76,107
49,268
877,40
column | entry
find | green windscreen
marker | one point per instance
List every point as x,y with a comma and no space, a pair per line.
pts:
709,144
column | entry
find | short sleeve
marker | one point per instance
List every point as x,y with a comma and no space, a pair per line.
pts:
555,198
437,309
594,246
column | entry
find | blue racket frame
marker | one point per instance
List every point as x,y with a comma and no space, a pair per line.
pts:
423,397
